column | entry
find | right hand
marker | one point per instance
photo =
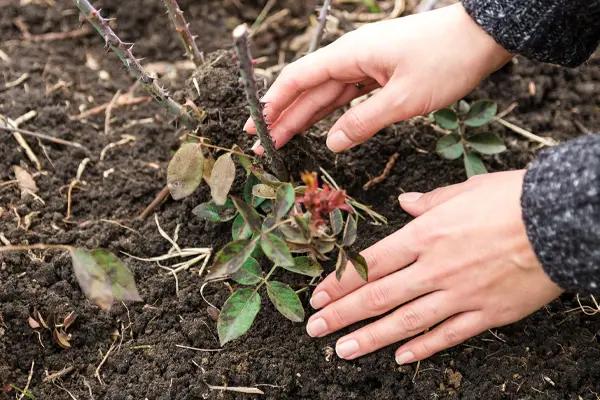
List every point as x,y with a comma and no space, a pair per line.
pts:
421,63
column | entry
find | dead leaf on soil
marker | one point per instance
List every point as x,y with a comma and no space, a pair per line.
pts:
26,182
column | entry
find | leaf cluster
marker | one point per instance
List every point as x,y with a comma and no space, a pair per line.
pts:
460,144
268,222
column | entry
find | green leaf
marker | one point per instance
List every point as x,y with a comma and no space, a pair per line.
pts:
231,258
463,107
249,274
209,211
486,143
184,173
276,250
263,191
303,222
103,278
449,147
340,265
265,177
446,118
473,165
244,160
481,113
337,221
349,236
285,200
238,314
360,265
268,223
240,229
221,178
251,181
293,234
249,214
266,206
285,300
305,266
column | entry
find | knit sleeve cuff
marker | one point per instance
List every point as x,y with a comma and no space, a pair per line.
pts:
561,210
564,32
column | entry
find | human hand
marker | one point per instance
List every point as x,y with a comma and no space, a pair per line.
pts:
422,63
462,266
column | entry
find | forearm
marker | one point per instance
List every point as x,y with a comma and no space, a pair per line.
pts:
564,32
561,209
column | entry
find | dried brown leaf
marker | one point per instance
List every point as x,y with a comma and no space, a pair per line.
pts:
221,178
26,182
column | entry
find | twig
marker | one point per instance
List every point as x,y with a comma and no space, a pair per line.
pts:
160,197
56,375
97,373
197,349
26,388
123,51
15,83
526,134
386,172
263,14
124,140
274,159
108,112
77,180
237,389
43,136
183,29
10,125
316,40
122,101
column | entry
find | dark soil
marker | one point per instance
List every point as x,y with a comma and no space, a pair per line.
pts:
553,354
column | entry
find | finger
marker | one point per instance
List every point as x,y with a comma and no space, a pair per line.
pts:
350,92
386,256
409,320
370,300
417,204
362,121
448,334
296,117
312,70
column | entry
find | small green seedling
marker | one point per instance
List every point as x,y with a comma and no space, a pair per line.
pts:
460,144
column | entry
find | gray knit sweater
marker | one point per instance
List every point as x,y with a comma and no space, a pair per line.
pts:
561,191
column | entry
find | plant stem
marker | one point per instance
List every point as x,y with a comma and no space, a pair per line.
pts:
274,159
266,278
183,29
316,40
123,51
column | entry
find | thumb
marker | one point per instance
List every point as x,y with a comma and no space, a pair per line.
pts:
417,204
363,120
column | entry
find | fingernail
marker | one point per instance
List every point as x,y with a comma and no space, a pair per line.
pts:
409,197
319,300
255,146
405,358
248,124
338,141
347,348
316,327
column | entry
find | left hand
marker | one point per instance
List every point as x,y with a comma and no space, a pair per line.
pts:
463,266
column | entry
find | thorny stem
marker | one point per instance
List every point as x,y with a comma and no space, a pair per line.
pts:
316,40
123,51
183,29
274,159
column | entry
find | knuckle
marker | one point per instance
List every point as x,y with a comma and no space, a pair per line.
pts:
371,338
372,260
450,336
411,320
357,127
336,317
422,231
376,298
